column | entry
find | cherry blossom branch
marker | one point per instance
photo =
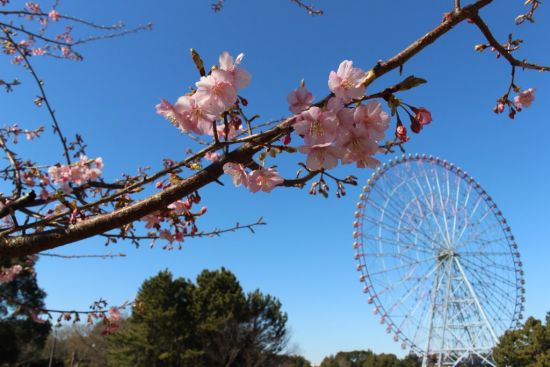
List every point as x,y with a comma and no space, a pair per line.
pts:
309,8
105,256
244,154
414,48
43,97
146,27
18,203
218,5
529,15
115,26
503,51
213,233
13,163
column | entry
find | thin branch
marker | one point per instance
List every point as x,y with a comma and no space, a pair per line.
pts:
16,171
40,85
309,8
213,233
414,48
105,256
505,53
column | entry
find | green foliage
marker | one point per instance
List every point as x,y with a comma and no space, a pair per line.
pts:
20,337
361,358
290,361
211,323
525,347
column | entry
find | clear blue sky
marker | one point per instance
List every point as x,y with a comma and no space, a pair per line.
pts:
304,255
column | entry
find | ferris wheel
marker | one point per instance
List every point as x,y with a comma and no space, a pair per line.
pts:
437,260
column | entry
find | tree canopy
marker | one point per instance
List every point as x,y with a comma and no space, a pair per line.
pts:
366,358
528,346
212,322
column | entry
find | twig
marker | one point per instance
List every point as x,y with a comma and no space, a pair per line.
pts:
506,54
106,256
40,85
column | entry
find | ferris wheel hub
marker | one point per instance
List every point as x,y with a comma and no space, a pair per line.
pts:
446,254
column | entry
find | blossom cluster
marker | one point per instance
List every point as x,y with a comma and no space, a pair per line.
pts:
523,99
199,111
337,131
179,217
38,43
261,179
79,173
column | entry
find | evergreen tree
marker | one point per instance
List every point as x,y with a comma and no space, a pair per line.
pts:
161,330
213,323
525,347
21,339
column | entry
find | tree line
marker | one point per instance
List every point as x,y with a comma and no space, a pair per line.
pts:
175,322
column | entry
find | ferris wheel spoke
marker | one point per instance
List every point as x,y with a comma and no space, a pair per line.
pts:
420,280
432,212
400,202
457,196
507,253
405,232
402,266
477,234
443,207
494,298
416,323
399,244
393,285
429,205
410,228
484,268
471,215
444,234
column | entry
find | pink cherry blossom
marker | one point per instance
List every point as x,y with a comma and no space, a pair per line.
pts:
525,98
114,314
335,104
212,156
322,156
226,134
65,51
299,100
216,92
373,118
264,179
8,274
347,82
356,145
78,173
317,126
33,7
237,173
181,207
192,117
241,77
38,51
53,15
17,60
152,220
